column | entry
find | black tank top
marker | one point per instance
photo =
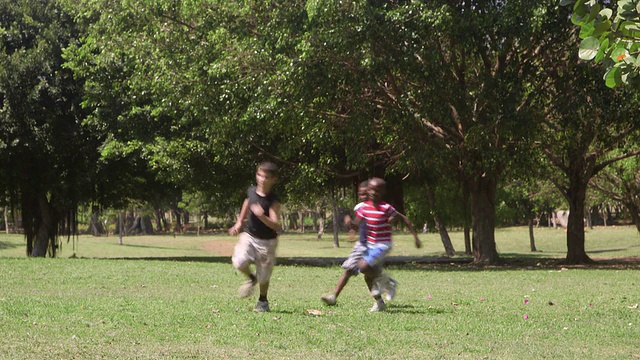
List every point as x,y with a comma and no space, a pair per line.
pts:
254,226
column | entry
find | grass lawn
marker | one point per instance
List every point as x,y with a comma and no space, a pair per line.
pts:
161,297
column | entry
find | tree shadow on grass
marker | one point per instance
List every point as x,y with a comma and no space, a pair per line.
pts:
410,309
4,245
150,247
423,263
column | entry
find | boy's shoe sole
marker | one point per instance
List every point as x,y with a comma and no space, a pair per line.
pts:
329,300
246,289
378,306
261,306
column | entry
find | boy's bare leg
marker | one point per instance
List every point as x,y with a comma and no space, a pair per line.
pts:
264,289
246,289
331,299
372,278
342,282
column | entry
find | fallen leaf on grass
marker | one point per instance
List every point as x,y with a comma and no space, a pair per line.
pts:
314,312
633,306
215,310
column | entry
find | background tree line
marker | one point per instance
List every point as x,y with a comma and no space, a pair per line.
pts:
465,107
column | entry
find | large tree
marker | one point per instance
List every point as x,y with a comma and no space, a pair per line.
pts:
587,128
621,183
464,72
46,157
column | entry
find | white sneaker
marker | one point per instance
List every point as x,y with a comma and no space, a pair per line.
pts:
329,300
378,306
262,306
246,289
379,284
390,290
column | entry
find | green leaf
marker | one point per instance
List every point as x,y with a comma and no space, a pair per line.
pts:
579,18
580,13
602,51
589,48
601,28
566,2
587,30
619,54
595,11
580,5
613,77
606,13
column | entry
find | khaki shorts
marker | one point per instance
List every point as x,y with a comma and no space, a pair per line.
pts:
260,252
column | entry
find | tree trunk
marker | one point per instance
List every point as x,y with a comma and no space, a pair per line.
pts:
444,236
467,222
159,217
293,221
6,219
141,225
532,240
314,220
483,192
120,227
321,215
442,230
576,253
186,217
44,236
634,211
301,216
336,220
95,226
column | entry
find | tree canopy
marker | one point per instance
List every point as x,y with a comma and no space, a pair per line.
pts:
177,98
611,36
47,157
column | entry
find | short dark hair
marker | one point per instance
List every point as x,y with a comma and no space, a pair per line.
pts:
269,167
378,183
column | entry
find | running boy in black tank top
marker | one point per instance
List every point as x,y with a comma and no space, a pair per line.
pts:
259,239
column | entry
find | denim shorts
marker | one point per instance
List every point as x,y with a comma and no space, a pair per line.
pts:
376,252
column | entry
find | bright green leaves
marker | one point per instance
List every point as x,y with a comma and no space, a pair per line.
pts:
609,37
589,48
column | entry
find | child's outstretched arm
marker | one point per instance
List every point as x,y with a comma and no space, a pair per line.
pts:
410,226
235,229
352,224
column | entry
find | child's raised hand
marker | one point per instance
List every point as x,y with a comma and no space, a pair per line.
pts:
256,209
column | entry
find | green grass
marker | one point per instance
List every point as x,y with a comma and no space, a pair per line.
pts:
104,306
609,242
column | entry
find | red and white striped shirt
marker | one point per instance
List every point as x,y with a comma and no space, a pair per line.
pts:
377,219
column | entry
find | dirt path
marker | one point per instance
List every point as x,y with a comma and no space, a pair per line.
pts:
221,247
